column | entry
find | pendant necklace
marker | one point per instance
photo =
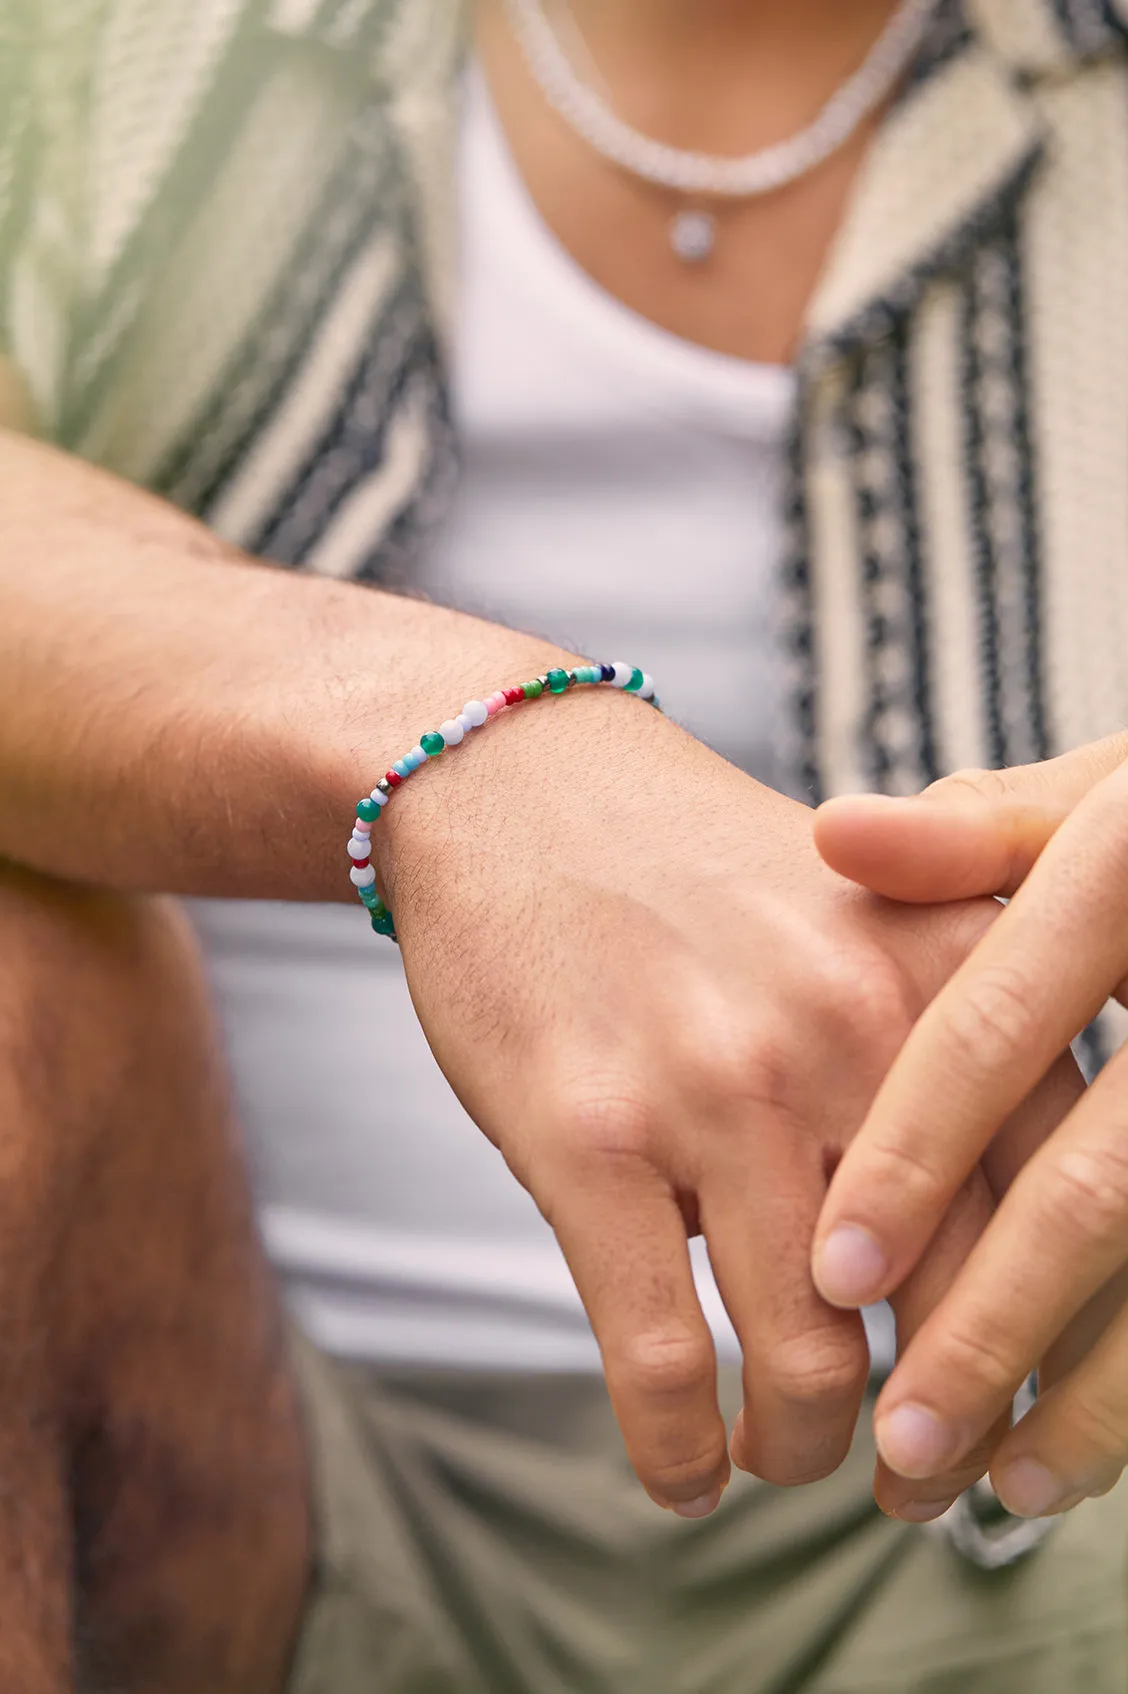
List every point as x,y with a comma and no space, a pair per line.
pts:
700,178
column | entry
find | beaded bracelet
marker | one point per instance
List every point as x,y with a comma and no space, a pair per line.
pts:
472,716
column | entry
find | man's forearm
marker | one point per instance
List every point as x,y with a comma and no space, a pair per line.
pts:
176,717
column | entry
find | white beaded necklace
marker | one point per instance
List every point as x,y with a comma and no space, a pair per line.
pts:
692,230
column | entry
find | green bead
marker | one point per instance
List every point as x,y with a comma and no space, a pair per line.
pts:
635,681
432,743
367,810
558,681
533,690
383,924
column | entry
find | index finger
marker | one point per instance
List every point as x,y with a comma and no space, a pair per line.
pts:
1037,977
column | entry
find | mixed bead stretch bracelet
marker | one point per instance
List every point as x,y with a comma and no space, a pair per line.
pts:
472,716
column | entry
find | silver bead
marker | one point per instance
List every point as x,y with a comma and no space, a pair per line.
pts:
693,235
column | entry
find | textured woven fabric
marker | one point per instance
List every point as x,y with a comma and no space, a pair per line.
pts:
211,266
225,240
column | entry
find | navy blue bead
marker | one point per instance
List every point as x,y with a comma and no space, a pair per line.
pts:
608,672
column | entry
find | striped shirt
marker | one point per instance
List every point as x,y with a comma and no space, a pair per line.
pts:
225,271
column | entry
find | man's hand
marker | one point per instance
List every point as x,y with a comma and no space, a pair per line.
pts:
1046,1286
642,982
670,1017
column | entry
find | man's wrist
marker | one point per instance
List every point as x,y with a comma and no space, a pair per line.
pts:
370,742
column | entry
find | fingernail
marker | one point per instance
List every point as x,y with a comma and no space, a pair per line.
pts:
924,1511
699,1508
914,1442
850,1268
1028,1490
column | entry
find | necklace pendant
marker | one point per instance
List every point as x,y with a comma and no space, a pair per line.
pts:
693,235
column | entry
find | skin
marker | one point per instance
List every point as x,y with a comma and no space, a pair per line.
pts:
155,1532
1053,838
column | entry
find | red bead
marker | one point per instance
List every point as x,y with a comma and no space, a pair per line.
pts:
512,695
361,863
392,778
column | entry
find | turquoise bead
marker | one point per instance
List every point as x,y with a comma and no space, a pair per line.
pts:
432,744
635,682
367,811
584,673
402,768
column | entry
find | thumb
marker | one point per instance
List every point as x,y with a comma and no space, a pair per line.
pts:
977,832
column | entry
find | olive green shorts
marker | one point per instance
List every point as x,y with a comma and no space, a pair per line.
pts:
483,1534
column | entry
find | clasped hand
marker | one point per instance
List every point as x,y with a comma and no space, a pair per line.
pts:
671,1017
1045,1286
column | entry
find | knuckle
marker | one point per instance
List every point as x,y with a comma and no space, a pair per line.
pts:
905,1168
877,1000
818,1371
990,1020
754,1074
682,1478
976,784
820,1458
1099,1429
1091,1191
730,1061
862,985
980,1353
667,1364
611,1125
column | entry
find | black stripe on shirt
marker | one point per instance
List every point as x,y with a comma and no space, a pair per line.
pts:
980,529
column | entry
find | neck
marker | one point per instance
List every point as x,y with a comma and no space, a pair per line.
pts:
720,25
719,72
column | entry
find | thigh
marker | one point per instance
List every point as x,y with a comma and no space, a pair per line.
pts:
486,1536
1054,1623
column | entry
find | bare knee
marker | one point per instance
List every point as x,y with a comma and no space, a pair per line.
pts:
132,1270
119,1156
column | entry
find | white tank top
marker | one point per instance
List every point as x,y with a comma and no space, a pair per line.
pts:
620,494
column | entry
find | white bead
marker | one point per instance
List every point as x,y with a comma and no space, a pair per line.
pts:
379,796
646,692
623,674
475,713
360,846
451,732
770,167
464,723
362,876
